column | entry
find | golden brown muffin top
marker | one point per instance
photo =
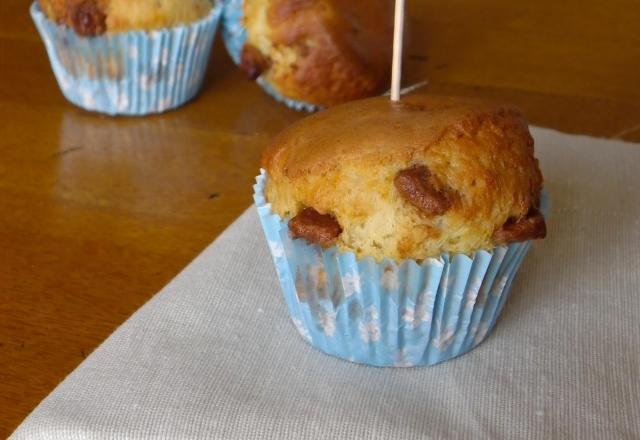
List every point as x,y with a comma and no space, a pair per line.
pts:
378,130
413,179
320,51
95,17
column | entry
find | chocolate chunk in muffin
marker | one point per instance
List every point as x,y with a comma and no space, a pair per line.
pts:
416,186
530,227
322,229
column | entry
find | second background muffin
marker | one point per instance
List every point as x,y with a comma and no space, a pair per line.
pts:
312,54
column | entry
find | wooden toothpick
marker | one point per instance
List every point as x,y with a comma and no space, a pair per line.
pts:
396,66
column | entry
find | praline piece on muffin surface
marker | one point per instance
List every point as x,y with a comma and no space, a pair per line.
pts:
411,180
397,229
128,58
315,53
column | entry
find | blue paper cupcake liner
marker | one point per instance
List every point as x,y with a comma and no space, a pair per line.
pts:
389,313
129,73
235,35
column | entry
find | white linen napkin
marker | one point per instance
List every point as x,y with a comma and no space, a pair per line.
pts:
214,354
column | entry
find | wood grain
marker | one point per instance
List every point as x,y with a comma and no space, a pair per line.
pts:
98,213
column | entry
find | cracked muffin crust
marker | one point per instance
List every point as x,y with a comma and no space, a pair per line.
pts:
414,179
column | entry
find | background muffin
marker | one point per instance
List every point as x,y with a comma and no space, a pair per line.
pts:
428,175
320,52
94,17
123,57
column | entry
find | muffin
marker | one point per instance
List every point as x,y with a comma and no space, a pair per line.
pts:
134,58
312,54
397,228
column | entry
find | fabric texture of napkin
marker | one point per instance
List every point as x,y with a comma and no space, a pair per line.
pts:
215,355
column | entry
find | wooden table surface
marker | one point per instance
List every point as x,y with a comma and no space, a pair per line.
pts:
98,213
